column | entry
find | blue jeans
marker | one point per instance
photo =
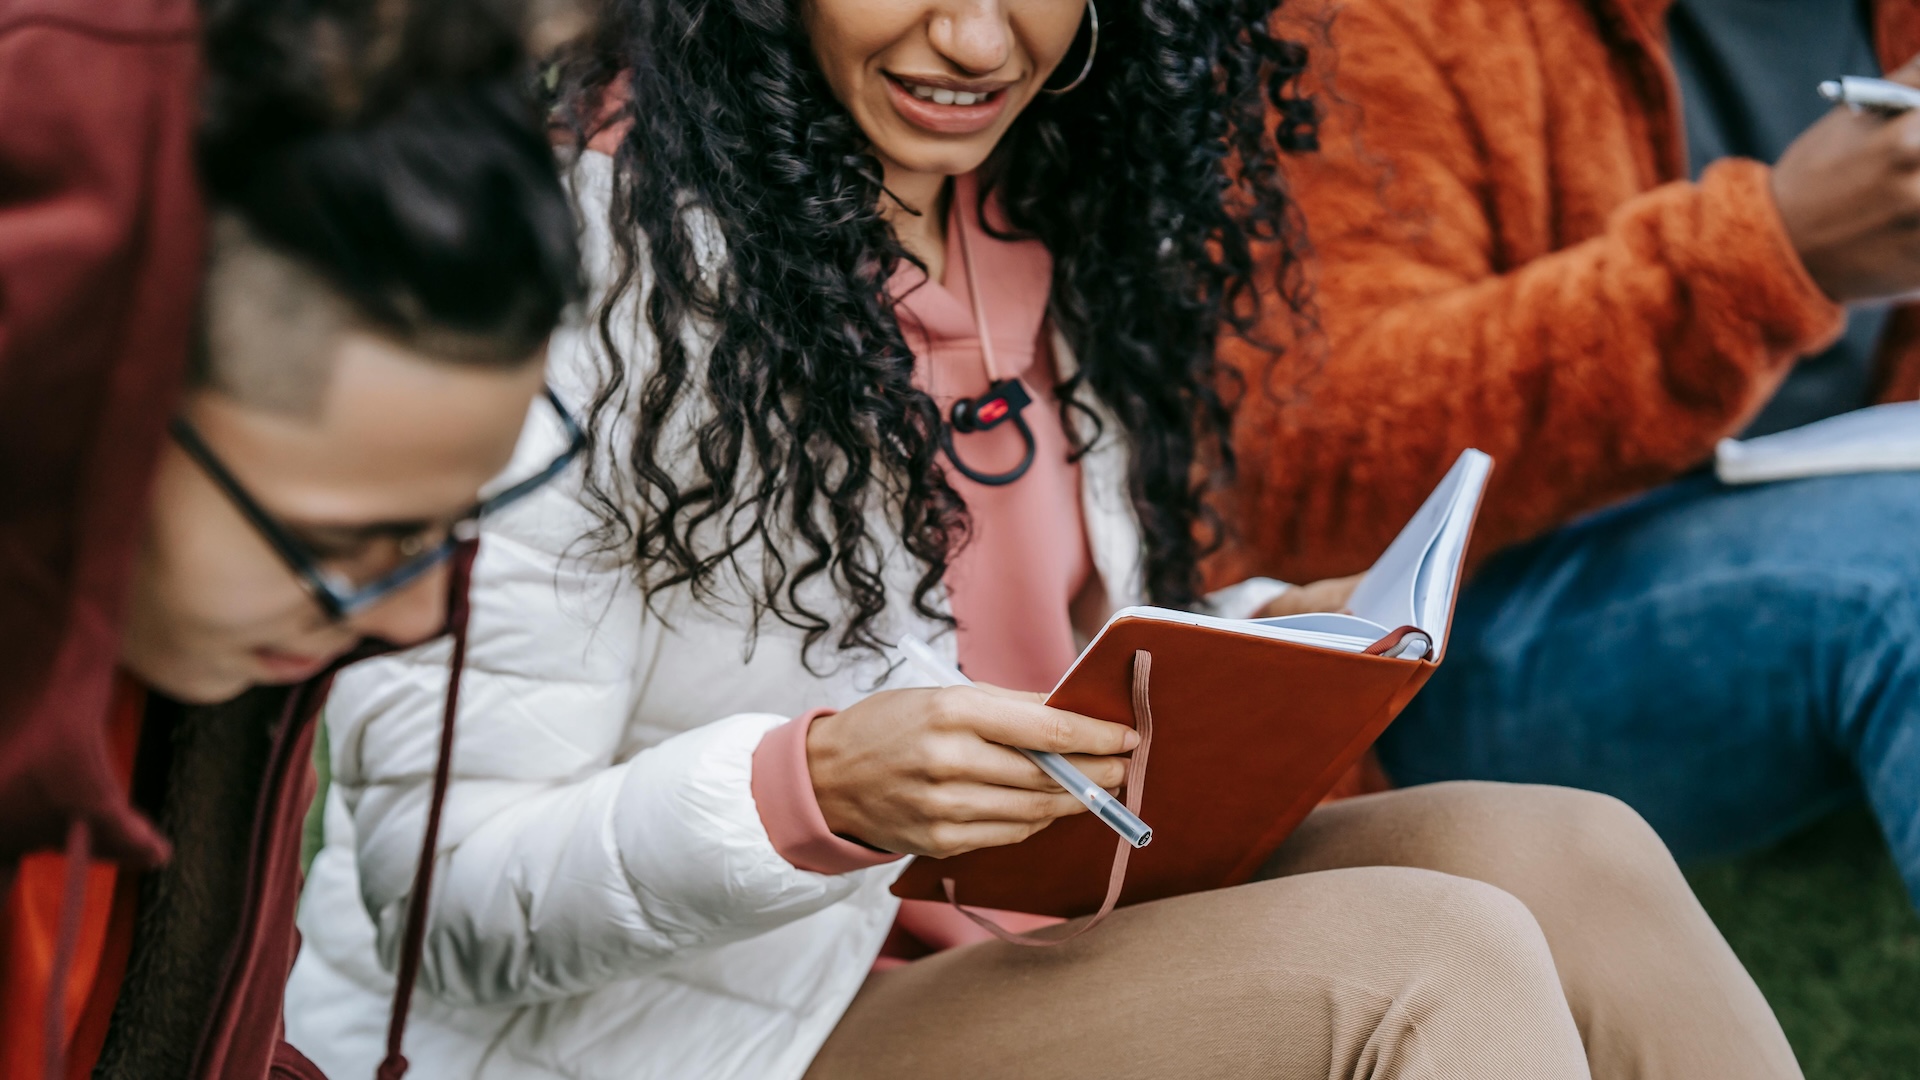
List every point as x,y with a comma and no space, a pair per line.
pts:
1732,662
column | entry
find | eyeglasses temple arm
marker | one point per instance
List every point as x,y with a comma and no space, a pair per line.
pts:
283,545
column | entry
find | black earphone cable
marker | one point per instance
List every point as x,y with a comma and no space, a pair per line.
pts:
1004,399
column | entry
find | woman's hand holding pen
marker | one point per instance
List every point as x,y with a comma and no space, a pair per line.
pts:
934,772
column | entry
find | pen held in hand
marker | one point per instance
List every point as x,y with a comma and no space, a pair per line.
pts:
1096,798
1879,95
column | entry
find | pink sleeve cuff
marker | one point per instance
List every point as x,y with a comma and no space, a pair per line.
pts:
783,793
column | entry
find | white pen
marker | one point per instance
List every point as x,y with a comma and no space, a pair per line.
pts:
1880,95
1096,798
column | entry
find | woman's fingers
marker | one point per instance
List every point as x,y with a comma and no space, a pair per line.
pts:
936,772
1028,725
1014,695
1108,772
1017,770
968,817
970,758
969,802
944,839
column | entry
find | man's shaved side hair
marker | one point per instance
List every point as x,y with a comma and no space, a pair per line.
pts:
271,325
429,213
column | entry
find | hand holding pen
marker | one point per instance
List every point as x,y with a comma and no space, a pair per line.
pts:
934,772
1847,192
1071,780
1879,95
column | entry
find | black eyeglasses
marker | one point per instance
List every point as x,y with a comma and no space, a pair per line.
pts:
336,595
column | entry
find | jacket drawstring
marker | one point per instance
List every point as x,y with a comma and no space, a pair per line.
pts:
394,1065
73,902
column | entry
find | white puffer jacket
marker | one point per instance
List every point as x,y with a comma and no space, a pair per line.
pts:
607,903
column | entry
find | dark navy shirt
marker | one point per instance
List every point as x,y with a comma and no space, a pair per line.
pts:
1747,71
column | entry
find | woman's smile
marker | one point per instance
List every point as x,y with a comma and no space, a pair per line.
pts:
935,84
946,106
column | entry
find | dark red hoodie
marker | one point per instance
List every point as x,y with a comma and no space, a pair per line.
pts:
101,232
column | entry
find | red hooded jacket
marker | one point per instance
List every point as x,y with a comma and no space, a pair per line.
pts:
101,230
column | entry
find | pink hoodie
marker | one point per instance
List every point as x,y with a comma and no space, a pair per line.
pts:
1013,585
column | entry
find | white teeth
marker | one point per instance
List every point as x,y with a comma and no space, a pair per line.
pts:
946,97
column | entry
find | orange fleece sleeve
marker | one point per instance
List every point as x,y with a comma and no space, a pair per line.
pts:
1588,373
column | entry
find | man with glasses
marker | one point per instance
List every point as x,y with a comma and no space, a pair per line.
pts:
381,282
293,523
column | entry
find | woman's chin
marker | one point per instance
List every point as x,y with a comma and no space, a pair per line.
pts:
923,156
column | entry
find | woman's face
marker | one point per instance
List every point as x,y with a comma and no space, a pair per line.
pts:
936,83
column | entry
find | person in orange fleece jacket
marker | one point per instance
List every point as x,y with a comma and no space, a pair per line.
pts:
1593,238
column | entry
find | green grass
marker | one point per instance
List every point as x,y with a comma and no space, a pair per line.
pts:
1826,928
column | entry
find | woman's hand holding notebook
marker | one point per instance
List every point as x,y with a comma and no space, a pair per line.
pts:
1254,722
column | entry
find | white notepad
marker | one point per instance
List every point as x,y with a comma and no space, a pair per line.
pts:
1884,438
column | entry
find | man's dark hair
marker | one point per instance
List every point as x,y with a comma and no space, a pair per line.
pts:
445,214
403,162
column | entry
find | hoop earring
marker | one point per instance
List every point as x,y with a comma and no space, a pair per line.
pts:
1093,46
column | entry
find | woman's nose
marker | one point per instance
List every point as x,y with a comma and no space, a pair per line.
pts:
973,35
411,615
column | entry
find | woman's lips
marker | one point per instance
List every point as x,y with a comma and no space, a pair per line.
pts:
945,119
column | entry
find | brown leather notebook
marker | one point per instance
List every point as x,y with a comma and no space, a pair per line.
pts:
1253,723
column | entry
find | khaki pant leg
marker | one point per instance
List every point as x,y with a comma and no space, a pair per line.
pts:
1373,972
1654,987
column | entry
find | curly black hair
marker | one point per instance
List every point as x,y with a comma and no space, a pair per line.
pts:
1151,184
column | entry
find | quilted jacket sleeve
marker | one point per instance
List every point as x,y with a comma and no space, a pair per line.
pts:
1592,371
567,860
